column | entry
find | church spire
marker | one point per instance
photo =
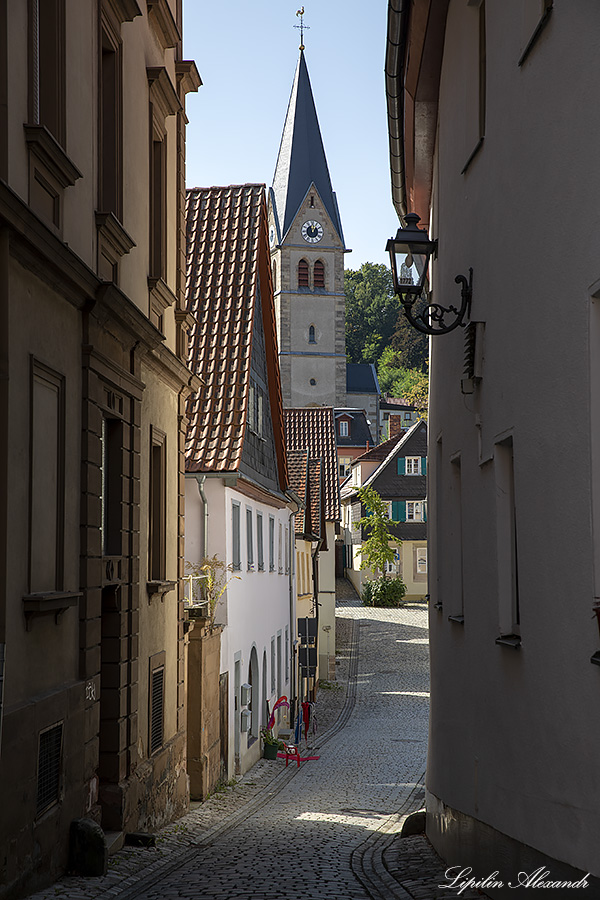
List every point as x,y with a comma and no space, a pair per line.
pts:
301,161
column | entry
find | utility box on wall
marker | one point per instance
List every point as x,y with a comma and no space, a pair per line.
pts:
245,694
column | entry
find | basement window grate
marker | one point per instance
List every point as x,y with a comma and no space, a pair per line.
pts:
49,758
156,709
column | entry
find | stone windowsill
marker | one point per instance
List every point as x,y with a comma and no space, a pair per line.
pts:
51,155
160,587
43,603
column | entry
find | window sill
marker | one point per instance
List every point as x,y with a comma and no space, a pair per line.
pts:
159,587
509,640
458,620
116,242
51,155
595,658
46,603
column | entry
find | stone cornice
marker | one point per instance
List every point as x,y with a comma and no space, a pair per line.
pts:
123,10
161,17
162,93
188,77
113,232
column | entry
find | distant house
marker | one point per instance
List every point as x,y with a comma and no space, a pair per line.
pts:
397,470
236,470
312,429
363,392
353,435
395,416
306,481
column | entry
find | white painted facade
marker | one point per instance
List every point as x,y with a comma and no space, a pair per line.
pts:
514,456
255,609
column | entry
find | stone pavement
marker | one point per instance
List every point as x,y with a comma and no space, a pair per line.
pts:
330,828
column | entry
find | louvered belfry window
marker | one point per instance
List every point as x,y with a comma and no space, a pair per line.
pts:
319,275
49,757
157,709
303,274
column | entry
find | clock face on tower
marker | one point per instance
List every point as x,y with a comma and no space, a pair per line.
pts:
312,231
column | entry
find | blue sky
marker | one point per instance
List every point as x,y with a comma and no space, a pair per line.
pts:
246,54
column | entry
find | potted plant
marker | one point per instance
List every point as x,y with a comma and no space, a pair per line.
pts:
271,744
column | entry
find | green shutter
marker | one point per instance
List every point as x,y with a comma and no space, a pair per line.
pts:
399,510
423,465
424,511
401,465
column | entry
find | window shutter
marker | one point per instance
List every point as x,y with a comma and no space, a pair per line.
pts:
401,466
424,511
399,510
423,465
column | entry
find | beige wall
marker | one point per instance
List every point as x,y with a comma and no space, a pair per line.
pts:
516,764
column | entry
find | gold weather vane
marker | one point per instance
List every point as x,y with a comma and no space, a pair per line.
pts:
301,26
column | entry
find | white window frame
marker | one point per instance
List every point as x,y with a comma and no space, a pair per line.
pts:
414,510
421,560
345,465
344,430
412,465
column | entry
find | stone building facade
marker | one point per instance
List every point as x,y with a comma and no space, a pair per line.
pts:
93,385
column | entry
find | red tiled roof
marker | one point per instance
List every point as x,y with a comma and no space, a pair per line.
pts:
315,485
313,428
381,451
298,475
227,260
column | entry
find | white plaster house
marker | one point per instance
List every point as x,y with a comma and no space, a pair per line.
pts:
494,132
236,470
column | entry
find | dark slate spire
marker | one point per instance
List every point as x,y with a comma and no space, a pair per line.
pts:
301,161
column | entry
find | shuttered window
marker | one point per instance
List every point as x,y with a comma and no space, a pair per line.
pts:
319,275
237,553
303,274
157,709
398,510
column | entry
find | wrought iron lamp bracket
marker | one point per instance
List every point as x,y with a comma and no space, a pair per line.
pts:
432,319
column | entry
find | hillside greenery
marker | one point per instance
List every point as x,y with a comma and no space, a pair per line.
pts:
378,332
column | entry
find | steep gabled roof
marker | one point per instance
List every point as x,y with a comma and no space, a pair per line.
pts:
313,428
386,452
301,161
360,433
361,378
381,451
227,265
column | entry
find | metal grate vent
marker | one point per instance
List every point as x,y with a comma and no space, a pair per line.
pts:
49,757
470,340
156,709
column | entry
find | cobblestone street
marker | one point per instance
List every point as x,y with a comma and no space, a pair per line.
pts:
330,828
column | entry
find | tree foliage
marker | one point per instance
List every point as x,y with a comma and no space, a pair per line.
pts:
371,312
398,381
375,549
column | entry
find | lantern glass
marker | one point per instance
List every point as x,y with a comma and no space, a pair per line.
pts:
410,252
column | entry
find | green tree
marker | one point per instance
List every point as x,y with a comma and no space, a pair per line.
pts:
375,549
371,312
399,381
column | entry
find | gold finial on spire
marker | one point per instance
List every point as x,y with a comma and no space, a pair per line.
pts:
301,26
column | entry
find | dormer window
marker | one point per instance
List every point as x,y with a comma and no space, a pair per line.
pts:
319,275
302,274
344,428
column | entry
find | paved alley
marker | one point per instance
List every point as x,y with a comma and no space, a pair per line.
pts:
329,829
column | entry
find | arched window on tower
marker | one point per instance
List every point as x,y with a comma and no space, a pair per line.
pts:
311,335
303,274
319,275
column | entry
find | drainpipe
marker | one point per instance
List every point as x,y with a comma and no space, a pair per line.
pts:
200,480
4,431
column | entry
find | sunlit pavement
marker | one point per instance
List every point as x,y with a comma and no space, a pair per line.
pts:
329,829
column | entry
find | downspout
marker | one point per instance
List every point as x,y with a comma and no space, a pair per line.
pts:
200,481
4,370
295,500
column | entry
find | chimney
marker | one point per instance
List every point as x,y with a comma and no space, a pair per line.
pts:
395,425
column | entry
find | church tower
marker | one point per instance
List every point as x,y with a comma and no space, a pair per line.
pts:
307,258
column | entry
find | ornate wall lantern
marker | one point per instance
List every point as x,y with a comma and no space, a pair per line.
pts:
410,253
